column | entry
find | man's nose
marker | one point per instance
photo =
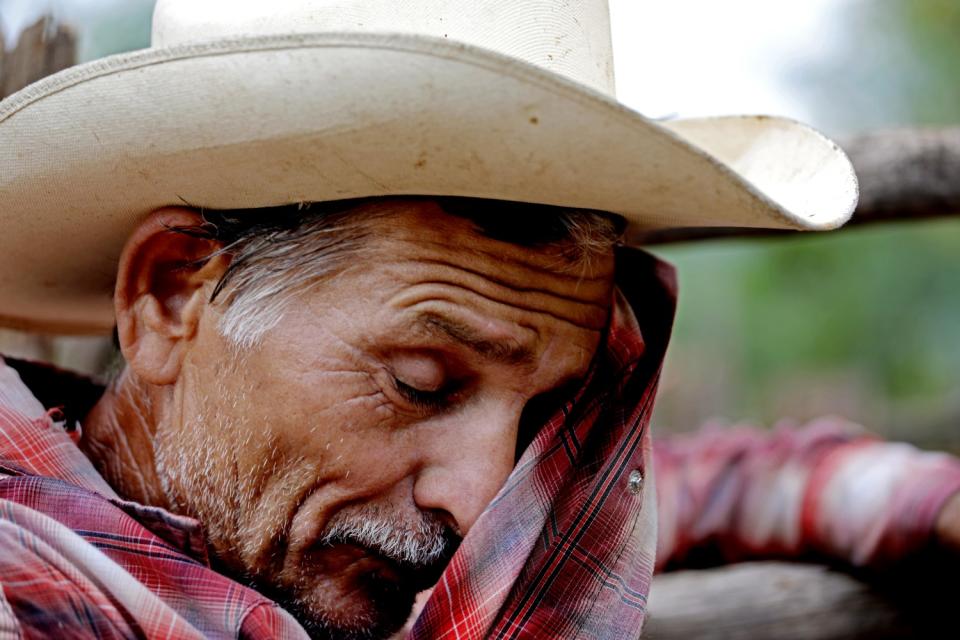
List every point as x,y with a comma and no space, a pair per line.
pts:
467,458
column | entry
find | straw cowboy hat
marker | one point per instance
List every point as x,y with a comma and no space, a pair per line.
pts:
253,103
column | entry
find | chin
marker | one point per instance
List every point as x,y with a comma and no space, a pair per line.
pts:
374,609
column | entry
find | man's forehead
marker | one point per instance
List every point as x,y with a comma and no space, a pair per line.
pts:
520,235
452,281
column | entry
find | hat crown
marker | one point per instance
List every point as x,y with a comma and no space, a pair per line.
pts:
567,37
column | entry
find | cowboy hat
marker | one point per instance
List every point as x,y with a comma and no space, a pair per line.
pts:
247,103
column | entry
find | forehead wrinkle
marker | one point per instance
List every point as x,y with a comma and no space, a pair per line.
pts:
558,266
547,260
520,287
413,296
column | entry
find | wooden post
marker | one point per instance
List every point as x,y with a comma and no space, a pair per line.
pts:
42,49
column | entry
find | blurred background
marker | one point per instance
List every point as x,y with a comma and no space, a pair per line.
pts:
862,323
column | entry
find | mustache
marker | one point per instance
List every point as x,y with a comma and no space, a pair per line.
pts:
426,543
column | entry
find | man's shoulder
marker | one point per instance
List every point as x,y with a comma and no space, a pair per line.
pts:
38,438
75,556
34,388
15,396
74,562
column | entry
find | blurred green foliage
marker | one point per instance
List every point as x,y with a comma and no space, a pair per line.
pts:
866,322
862,323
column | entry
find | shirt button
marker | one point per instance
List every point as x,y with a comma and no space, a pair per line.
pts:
635,482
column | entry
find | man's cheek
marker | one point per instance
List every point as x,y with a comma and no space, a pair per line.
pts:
324,400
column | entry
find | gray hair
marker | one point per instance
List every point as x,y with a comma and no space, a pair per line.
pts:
278,253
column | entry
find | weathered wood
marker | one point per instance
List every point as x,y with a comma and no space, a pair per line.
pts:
759,601
42,49
905,174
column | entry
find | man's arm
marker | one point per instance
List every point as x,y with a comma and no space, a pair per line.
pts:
828,489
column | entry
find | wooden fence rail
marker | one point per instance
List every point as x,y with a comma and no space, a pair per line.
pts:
905,174
783,601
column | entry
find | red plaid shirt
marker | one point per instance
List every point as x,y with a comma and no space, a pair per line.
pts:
566,550
77,561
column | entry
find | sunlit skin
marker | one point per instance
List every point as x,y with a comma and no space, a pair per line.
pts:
397,386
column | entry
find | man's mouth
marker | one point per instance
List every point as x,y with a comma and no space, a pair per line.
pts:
383,567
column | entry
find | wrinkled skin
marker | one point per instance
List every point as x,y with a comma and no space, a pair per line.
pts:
393,391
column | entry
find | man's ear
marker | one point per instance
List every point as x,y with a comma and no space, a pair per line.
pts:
163,284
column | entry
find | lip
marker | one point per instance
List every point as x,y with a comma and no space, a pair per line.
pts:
371,561
389,569
364,558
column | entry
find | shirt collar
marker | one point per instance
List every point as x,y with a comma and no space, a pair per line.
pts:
40,412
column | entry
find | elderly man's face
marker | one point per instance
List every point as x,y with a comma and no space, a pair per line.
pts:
338,462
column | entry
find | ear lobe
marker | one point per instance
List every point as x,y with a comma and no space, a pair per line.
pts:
164,281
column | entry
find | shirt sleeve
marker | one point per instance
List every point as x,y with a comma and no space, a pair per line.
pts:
15,396
826,489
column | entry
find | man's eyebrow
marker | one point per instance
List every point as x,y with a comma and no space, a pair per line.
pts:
497,351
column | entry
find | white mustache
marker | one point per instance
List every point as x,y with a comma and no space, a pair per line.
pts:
419,544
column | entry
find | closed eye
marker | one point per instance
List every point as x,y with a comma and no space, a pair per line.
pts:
428,400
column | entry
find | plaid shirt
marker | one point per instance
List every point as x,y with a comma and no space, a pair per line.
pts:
77,561
566,550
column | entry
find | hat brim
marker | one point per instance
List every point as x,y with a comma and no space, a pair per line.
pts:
255,122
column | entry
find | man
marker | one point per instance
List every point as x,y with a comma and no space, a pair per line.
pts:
326,406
